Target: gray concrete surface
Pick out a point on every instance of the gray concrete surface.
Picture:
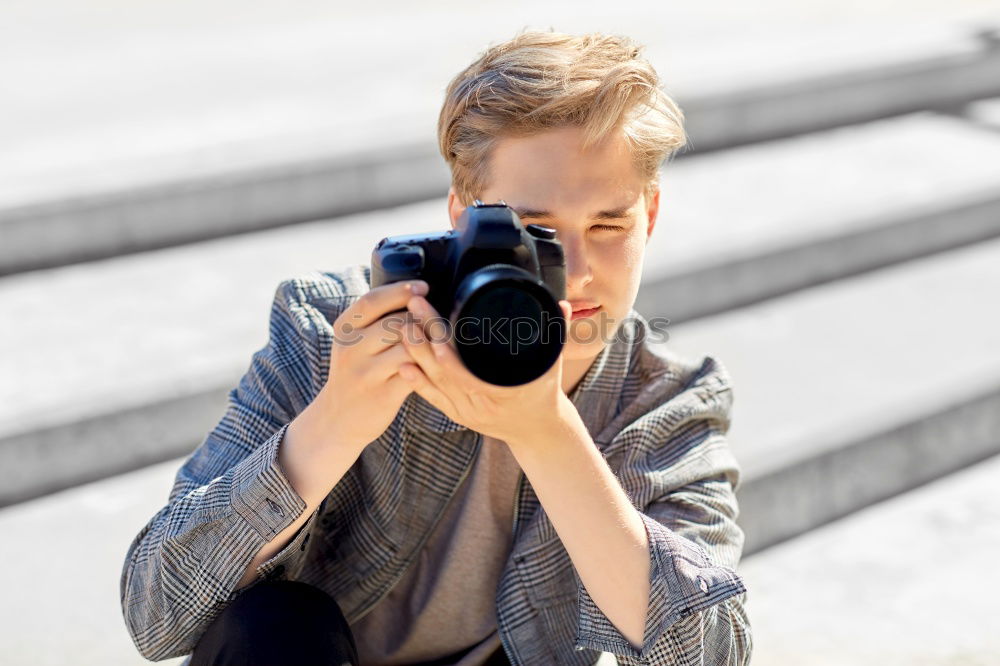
(756, 221)
(124, 362)
(852, 391)
(63, 556)
(986, 112)
(194, 120)
(911, 581)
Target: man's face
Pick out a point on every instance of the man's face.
(596, 203)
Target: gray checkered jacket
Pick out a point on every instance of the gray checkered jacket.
(659, 420)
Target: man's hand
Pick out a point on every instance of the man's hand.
(364, 390)
(504, 412)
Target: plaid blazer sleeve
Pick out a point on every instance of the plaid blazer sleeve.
(228, 499)
(678, 470)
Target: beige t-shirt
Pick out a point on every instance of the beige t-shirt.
(445, 603)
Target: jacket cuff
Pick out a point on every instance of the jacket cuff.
(261, 494)
(286, 564)
(682, 581)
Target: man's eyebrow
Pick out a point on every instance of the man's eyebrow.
(612, 214)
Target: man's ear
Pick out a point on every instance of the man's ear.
(652, 209)
(455, 207)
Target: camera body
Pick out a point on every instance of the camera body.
(488, 270)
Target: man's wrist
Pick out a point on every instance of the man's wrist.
(314, 454)
(553, 425)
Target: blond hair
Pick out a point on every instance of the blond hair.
(542, 80)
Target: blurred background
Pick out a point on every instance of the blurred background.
(832, 236)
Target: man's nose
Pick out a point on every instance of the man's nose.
(578, 271)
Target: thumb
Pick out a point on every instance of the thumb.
(567, 309)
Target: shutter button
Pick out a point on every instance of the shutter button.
(274, 507)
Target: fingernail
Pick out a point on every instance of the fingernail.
(438, 349)
(418, 288)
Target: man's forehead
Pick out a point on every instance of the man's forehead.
(540, 176)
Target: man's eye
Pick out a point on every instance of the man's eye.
(609, 227)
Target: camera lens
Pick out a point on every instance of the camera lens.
(508, 326)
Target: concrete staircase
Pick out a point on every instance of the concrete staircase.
(101, 188)
(838, 249)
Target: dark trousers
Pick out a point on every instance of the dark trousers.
(288, 623)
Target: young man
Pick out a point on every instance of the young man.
(375, 503)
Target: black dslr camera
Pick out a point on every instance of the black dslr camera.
(497, 282)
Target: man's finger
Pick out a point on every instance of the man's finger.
(389, 331)
(376, 303)
(387, 363)
(421, 351)
(435, 327)
(420, 384)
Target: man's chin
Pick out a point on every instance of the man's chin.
(588, 336)
(577, 351)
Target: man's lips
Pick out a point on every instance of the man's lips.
(584, 311)
(584, 305)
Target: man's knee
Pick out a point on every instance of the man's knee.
(285, 618)
(269, 604)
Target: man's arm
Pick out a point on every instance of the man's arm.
(596, 522)
(355, 405)
(659, 584)
(244, 502)
(230, 498)
(313, 466)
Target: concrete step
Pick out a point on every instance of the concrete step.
(63, 557)
(753, 222)
(121, 363)
(851, 392)
(140, 166)
(985, 112)
(908, 581)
